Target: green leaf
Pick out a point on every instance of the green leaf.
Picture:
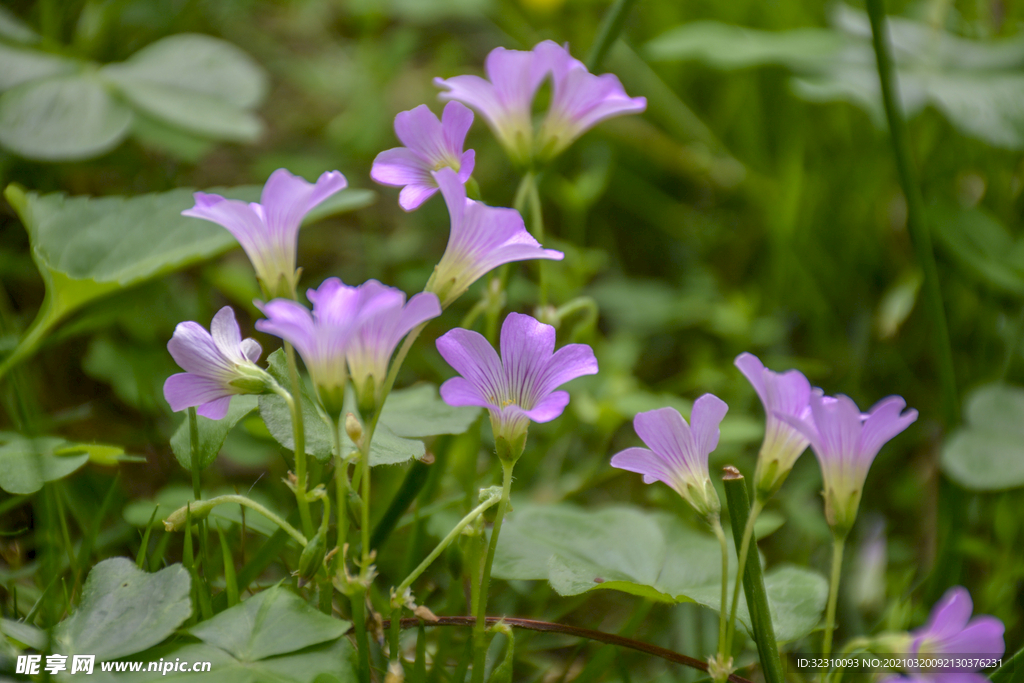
(981, 244)
(975, 84)
(198, 63)
(87, 247)
(212, 433)
(175, 496)
(196, 82)
(387, 447)
(27, 634)
(26, 464)
(418, 411)
(22, 65)
(332, 659)
(737, 47)
(655, 556)
(988, 453)
(273, 622)
(125, 610)
(62, 118)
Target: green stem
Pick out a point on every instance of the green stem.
(611, 27)
(299, 434)
(833, 597)
(193, 436)
(358, 599)
(491, 499)
(176, 520)
(480, 627)
(341, 488)
(919, 231)
(748, 535)
(753, 580)
(723, 642)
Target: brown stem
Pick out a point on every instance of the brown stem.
(551, 627)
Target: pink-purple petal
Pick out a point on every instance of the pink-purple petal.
(884, 422)
(473, 358)
(548, 408)
(216, 409)
(412, 196)
(251, 349)
(456, 120)
(420, 131)
(459, 391)
(187, 390)
(568, 363)
(982, 636)
(665, 432)
(194, 350)
(708, 412)
(643, 461)
(398, 167)
(225, 332)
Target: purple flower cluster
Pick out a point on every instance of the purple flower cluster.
(844, 440)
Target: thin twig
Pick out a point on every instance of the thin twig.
(590, 634)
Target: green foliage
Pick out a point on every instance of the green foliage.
(414, 412)
(27, 464)
(988, 453)
(57, 108)
(212, 433)
(654, 556)
(125, 610)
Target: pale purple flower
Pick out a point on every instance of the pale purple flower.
(429, 145)
(846, 442)
(519, 387)
(786, 393)
(951, 631)
(269, 231)
(324, 336)
(217, 365)
(579, 100)
(371, 347)
(482, 238)
(677, 452)
(505, 98)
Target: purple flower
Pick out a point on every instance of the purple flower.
(677, 453)
(218, 366)
(324, 336)
(504, 99)
(518, 388)
(482, 238)
(846, 442)
(579, 100)
(786, 393)
(269, 231)
(371, 347)
(429, 145)
(951, 631)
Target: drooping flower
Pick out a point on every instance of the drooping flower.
(482, 238)
(324, 336)
(217, 366)
(371, 347)
(429, 145)
(786, 393)
(269, 231)
(677, 452)
(519, 387)
(504, 99)
(579, 100)
(846, 443)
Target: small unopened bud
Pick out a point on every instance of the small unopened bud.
(197, 510)
(354, 429)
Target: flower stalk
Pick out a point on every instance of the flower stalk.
(838, 542)
(299, 435)
(723, 641)
(753, 580)
(199, 510)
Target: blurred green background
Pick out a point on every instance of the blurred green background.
(754, 207)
